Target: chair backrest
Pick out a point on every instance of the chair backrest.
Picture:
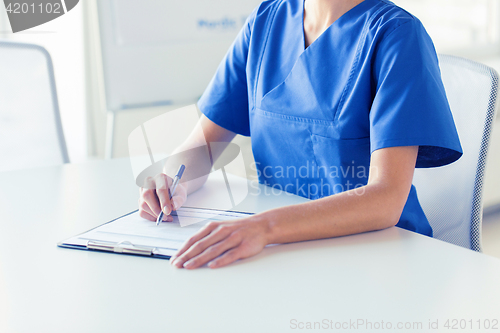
(30, 127)
(451, 196)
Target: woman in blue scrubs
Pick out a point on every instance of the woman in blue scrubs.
(347, 91)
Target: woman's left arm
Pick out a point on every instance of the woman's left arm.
(377, 205)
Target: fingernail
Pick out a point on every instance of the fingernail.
(165, 210)
(211, 264)
(188, 264)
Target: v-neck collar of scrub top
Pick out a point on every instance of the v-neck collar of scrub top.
(360, 7)
(281, 62)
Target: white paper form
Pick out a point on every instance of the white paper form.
(165, 238)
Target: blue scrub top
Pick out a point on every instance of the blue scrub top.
(315, 114)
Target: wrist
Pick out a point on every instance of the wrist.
(267, 225)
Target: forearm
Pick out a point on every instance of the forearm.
(196, 155)
(375, 206)
(372, 207)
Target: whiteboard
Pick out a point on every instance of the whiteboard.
(158, 52)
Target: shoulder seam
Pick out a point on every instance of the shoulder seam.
(390, 3)
(399, 25)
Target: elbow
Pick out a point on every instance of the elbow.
(393, 219)
(390, 207)
(389, 218)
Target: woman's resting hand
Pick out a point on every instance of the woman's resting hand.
(221, 243)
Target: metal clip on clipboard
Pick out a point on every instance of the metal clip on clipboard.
(139, 231)
(124, 247)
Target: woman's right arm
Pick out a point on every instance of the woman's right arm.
(154, 195)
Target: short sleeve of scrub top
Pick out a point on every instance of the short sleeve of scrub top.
(225, 99)
(408, 106)
(370, 81)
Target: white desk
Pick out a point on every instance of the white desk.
(390, 276)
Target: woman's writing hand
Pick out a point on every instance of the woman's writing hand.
(155, 197)
(221, 243)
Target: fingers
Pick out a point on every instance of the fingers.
(227, 258)
(206, 230)
(221, 243)
(204, 249)
(149, 196)
(144, 210)
(162, 183)
(156, 194)
(213, 252)
(146, 215)
(143, 206)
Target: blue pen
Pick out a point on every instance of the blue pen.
(177, 178)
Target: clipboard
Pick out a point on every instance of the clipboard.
(132, 235)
